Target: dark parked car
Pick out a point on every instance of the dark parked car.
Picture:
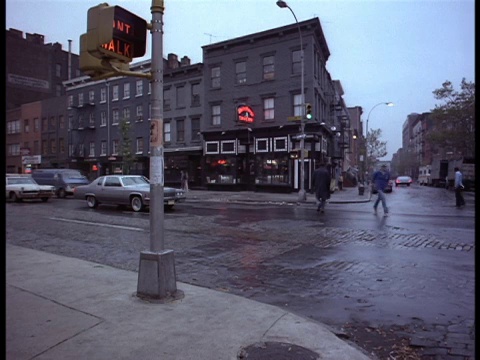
(403, 180)
(129, 190)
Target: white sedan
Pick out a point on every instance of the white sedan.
(19, 188)
(129, 190)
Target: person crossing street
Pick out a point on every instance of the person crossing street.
(380, 181)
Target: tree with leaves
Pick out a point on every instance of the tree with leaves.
(128, 157)
(375, 147)
(454, 120)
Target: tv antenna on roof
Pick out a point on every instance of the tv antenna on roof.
(211, 35)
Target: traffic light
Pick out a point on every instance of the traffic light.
(308, 111)
(115, 33)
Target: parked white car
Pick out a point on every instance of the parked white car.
(19, 188)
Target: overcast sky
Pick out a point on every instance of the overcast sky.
(381, 51)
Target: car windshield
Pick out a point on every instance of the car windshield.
(134, 180)
(21, 181)
(73, 175)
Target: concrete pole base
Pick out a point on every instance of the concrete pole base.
(157, 277)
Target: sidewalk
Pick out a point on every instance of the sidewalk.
(346, 196)
(64, 308)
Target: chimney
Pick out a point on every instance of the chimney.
(69, 75)
(185, 61)
(172, 61)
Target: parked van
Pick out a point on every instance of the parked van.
(64, 180)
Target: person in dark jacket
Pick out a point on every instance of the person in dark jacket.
(321, 184)
(380, 181)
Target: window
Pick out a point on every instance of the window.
(115, 116)
(228, 147)
(53, 123)
(103, 148)
(80, 121)
(167, 132)
(269, 109)
(215, 77)
(272, 170)
(126, 114)
(36, 147)
(139, 88)
(195, 94)
(211, 147)
(180, 96)
(44, 125)
(44, 147)
(70, 101)
(167, 102)
(113, 182)
(61, 122)
(91, 152)
(280, 144)
(70, 122)
(126, 90)
(103, 95)
(13, 127)
(13, 149)
(58, 70)
(268, 68)
(103, 118)
(297, 105)
(61, 145)
(180, 130)
(26, 126)
(261, 145)
(139, 145)
(36, 125)
(81, 150)
(91, 97)
(115, 93)
(216, 118)
(115, 147)
(53, 146)
(80, 99)
(241, 72)
(139, 112)
(91, 120)
(58, 90)
(195, 129)
(296, 62)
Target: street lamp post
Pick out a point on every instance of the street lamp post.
(366, 131)
(302, 196)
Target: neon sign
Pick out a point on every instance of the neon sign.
(245, 114)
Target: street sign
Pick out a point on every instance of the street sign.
(294, 118)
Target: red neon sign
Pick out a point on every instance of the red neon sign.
(245, 114)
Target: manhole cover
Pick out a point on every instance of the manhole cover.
(276, 351)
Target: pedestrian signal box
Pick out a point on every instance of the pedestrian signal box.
(115, 33)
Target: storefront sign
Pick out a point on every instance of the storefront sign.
(245, 114)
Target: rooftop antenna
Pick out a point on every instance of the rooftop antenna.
(211, 35)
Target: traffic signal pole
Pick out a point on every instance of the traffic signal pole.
(156, 275)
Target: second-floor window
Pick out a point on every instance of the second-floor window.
(26, 126)
(91, 97)
(297, 105)
(103, 118)
(139, 145)
(103, 95)
(180, 130)
(126, 114)
(216, 115)
(269, 109)
(80, 99)
(167, 132)
(91, 152)
(115, 116)
(115, 147)
(36, 125)
(139, 112)
(195, 94)
(180, 96)
(195, 129)
(103, 148)
(91, 120)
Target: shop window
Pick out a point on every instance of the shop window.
(229, 147)
(261, 145)
(280, 144)
(272, 170)
(211, 147)
(221, 170)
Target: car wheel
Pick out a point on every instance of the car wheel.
(44, 199)
(61, 193)
(136, 203)
(14, 197)
(92, 202)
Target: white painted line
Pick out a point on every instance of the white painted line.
(95, 223)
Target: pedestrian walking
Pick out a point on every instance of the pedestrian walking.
(458, 185)
(184, 180)
(380, 181)
(321, 184)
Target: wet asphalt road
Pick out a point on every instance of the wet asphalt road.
(405, 280)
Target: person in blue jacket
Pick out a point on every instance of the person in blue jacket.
(380, 181)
